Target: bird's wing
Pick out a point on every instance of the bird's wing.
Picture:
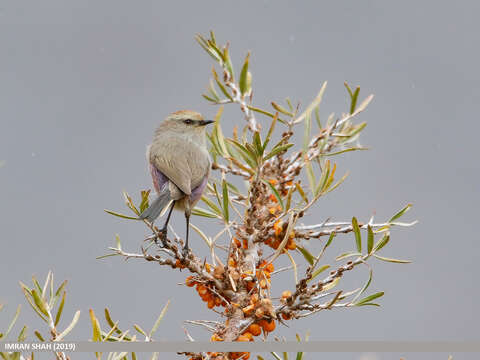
(180, 162)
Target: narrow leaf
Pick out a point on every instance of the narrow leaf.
(159, 319)
(120, 215)
(369, 239)
(71, 326)
(369, 298)
(358, 236)
(400, 213)
(243, 76)
(398, 261)
(60, 309)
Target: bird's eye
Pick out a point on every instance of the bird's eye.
(188, 121)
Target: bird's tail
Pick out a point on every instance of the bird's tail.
(156, 207)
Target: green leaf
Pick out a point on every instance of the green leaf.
(14, 320)
(60, 308)
(208, 98)
(281, 109)
(228, 62)
(247, 156)
(321, 186)
(347, 255)
(369, 298)
(120, 215)
(382, 242)
(358, 236)
(72, 324)
(275, 193)
(198, 211)
(39, 302)
(306, 254)
(22, 335)
(306, 132)
(39, 336)
(96, 331)
(203, 43)
(270, 131)
(313, 104)
(319, 271)
(139, 329)
(218, 134)
(243, 76)
(266, 113)
(278, 149)
(159, 319)
(276, 356)
(37, 285)
(144, 203)
(301, 192)
(220, 85)
(369, 239)
(365, 287)
(110, 322)
(226, 201)
(330, 239)
(212, 205)
(257, 142)
(344, 151)
(398, 261)
(28, 295)
(400, 213)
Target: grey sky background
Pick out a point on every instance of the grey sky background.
(83, 84)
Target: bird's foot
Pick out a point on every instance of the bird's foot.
(162, 237)
(185, 252)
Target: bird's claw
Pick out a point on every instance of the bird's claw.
(185, 252)
(162, 237)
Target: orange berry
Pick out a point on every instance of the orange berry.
(189, 281)
(269, 325)
(211, 303)
(248, 335)
(254, 329)
(278, 227)
(202, 289)
(243, 338)
(218, 301)
(270, 267)
(237, 242)
(245, 243)
(273, 198)
(286, 294)
(248, 309)
(291, 245)
(286, 316)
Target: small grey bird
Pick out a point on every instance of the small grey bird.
(179, 164)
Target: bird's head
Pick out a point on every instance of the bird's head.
(186, 121)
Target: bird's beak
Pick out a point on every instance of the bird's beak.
(205, 122)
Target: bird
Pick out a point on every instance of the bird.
(180, 165)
